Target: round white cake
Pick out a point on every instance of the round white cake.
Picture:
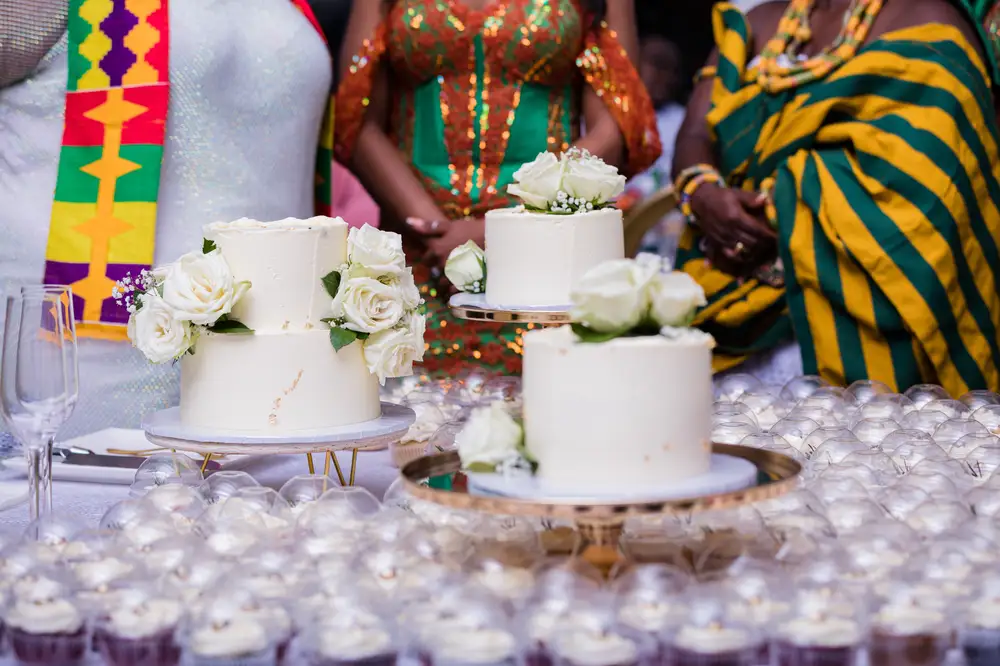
(534, 259)
(631, 413)
(286, 376)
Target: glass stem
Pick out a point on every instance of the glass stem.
(40, 480)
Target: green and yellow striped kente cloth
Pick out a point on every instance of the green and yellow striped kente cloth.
(887, 204)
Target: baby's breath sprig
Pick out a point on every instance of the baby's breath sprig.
(128, 291)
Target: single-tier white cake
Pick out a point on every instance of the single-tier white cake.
(534, 259)
(286, 376)
(633, 412)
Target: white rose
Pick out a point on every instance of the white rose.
(408, 290)
(613, 297)
(466, 268)
(378, 252)
(490, 437)
(675, 297)
(201, 288)
(367, 305)
(591, 179)
(156, 331)
(538, 183)
(391, 353)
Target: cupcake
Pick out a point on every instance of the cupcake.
(818, 640)
(353, 646)
(140, 631)
(95, 579)
(714, 644)
(462, 645)
(905, 634)
(584, 645)
(44, 626)
(236, 641)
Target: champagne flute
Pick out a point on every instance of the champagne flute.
(39, 381)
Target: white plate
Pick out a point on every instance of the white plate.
(164, 428)
(728, 474)
(478, 301)
(98, 442)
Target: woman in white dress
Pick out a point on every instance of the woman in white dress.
(244, 97)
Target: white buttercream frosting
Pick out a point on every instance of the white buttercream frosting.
(909, 620)
(149, 618)
(96, 574)
(245, 224)
(687, 336)
(236, 637)
(429, 421)
(713, 639)
(51, 616)
(985, 613)
(586, 648)
(648, 616)
(507, 582)
(354, 643)
(475, 646)
(822, 631)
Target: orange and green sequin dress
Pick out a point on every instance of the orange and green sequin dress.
(475, 94)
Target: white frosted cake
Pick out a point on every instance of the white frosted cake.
(535, 252)
(620, 401)
(281, 326)
(535, 258)
(633, 411)
(286, 376)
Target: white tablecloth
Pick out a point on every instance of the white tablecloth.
(87, 502)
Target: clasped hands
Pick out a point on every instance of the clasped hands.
(440, 237)
(737, 237)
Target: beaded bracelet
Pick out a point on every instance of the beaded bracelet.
(689, 186)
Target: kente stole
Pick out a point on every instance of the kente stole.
(103, 223)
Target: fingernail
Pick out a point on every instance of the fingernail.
(413, 221)
(762, 197)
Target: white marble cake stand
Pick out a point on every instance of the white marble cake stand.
(475, 308)
(164, 429)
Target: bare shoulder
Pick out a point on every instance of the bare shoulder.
(912, 13)
(764, 19)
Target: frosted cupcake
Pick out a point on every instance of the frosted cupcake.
(907, 634)
(710, 636)
(345, 634)
(818, 640)
(44, 626)
(96, 580)
(236, 641)
(589, 645)
(470, 645)
(140, 630)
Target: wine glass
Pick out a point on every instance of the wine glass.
(39, 381)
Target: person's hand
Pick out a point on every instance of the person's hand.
(453, 234)
(737, 236)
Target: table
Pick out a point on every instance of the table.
(87, 502)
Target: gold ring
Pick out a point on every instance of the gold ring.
(739, 248)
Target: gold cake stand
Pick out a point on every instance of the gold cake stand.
(438, 479)
(464, 306)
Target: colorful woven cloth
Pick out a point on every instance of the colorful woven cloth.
(887, 206)
(103, 223)
(475, 94)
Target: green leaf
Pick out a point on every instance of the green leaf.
(328, 320)
(207, 246)
(361, 336)
(341, 337)
(228, 326)
(480, 468)
(589, 335)
(331, 282)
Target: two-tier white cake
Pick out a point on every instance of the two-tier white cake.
(280, 327)
(285, 376)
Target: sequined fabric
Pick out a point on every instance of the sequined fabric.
(233, 149)
(28, 30)
(475, 94)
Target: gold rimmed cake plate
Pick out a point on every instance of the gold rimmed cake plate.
(474, 307)
(439, 479)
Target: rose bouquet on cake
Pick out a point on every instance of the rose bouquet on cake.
(570, 183)
(616, 299)
(170, 306)
(376, 302)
